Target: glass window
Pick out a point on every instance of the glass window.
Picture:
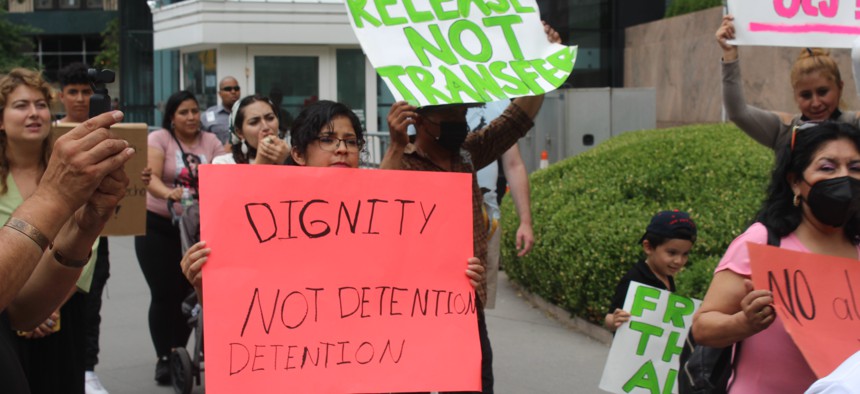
(384, 101)
(70, 4)
(95, 4)
(199, 77)
(43, 4)
(350, 81)
(291, 82)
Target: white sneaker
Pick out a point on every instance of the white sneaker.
(92, 384)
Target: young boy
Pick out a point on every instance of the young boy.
(667, 243)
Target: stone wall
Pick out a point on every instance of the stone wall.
(681, 59)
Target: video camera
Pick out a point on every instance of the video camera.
(100, 100)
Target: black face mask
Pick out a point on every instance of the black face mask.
(834, 201)
(452, 136)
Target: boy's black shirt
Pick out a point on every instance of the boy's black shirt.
(638, 273)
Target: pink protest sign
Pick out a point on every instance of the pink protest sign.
(796, 23)
(817, 300)
(337, 280)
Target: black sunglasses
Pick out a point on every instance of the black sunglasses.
(230, 88)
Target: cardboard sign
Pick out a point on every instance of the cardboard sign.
(443, 52)
(337, 280)
(130, 215)
(646, 350)
(796, 23)
(817, 300)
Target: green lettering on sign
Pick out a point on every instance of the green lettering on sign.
(677, 308)
(393, 74)
(421, 46)
(356, 8)
(456, 86)
(563, 59)
(516, 87)
(465, 8)
(455, 36)
(647, 332)
(547, 74)
(640, 303)
(644, 378)
(505, 22)
(387, 19)
(424, 80)
(441, 13)
(414, 15)
(500, 6)
(671, 381)
(523, 70)
(674, 346)
(520, 9)
(483, 82)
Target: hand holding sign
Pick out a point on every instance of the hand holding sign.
(757, 309)
(725, 33)
(460, 52)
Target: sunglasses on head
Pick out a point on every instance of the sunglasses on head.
(230, 88)
(800, 127)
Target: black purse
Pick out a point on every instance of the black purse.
(706, 370)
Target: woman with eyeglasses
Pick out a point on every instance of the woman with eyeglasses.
(324, 134)
(813, 206)
(815, 80)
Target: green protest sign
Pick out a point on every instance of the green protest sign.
(459, 51)
(645, 352)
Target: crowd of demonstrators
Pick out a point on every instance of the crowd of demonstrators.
(815, 80)
(514, 171)
(216, 118)
(175, 151)
(667, 242)
(806, 207)
(254, 126)
(57, 200)
(75, 93)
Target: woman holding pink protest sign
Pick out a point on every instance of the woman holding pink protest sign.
(815, 80)
(324, 134)
(813, 206)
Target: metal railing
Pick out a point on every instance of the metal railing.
(374, 148)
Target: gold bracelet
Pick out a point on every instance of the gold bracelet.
(71, 263)
(30, 231)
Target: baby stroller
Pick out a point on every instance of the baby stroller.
(186, 369)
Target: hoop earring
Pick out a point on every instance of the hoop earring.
(796, 200)
(244, 148)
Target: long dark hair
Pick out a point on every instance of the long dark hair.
(172, 105)
(778, 211)
(236, 149)
(310, 121)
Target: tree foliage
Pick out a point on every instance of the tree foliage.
(15, 44)
(109, 56)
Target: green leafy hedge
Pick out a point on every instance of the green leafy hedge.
(590, 211)
(681, 7)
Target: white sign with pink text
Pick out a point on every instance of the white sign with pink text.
(796, 23)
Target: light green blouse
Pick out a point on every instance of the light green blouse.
(12, 199)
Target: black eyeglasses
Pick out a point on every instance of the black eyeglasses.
(230, 88)
(330, 144)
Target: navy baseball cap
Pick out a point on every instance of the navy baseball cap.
(672, 224)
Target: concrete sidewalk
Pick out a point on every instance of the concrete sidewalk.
(533, 353)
